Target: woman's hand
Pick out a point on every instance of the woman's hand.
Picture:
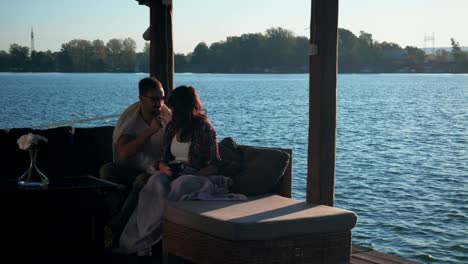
(164, 168)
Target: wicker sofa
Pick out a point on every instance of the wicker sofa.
(269, 227)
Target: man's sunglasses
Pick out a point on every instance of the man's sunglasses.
(155, 98)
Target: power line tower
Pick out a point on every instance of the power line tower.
(32, 39)
(429, 39)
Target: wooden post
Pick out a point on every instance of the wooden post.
(322, 102)
(161, 44)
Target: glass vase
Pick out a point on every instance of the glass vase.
(33, 177)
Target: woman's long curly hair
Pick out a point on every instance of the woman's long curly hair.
(187, 110)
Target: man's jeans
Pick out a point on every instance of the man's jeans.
(122, 203)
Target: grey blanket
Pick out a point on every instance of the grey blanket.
(143, 229)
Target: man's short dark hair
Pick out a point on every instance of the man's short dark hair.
(147, 84)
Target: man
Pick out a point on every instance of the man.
(137, 146)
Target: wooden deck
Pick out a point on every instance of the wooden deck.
(363, 255)
(360, 255)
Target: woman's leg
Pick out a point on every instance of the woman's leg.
(186, 186)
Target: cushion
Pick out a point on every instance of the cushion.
(262, 168)
(260, 217)
(14, 160)
(92, 148)
(231, 157)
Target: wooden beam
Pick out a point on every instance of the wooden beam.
(161, 44)
(322, 102)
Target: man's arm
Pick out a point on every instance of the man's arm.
(128, 146)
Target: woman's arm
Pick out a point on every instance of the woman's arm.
(211, 148)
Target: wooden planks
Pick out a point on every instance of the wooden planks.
(363, 255)
(360, 255)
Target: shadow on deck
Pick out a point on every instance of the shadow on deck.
(360, 255)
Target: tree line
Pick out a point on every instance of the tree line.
(78, 55)
(277, 50)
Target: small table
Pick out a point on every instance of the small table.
(67, 218)
(85, 182)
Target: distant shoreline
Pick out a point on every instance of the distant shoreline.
(363, 73)
(276, 51)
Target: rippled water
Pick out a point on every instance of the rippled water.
(402, 162)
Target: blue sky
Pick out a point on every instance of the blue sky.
(55, 22)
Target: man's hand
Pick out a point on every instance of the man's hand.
(156, 123)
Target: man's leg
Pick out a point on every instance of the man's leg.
(121, 218)
(121, 175)
(143, 229)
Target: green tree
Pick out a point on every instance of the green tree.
(19, 56)
(128, 56)
(98, 59)
(143, 58)
(443, 61)
(233, 54)
(42, 61)
(388, 57)
(180, 62)
(455, 46)
(251, 55)
(459, 57)
(200, 55)
(415, 58)
(79, 53)
(275, 50)
(217, 56)
(347, 51)
(279, 46)
(114, 52)
(300, 58)
(4, 60)
(365, 52)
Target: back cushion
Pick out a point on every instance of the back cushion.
(262, 168)
(231, 157)
(92, 147)
(14, 160)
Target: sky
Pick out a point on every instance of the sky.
(405, 22)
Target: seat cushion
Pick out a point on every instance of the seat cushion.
(258, 218)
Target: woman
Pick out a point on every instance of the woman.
(189, 139)
(188, 170)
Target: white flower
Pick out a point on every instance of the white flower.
(25, 141)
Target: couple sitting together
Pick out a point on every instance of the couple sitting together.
(161, 153)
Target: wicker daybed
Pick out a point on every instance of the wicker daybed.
(267, 228)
